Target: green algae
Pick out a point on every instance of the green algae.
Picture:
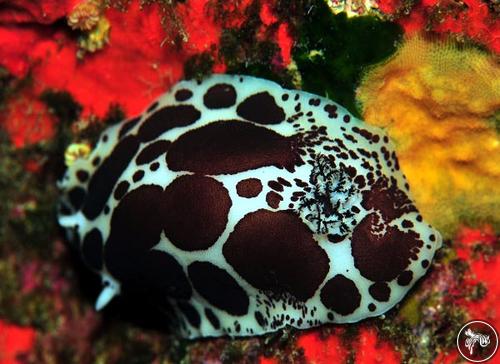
(333, 51)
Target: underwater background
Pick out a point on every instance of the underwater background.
(427, 71)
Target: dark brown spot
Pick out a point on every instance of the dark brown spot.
(121, 190)
(231, 146)
(196, 210)
(273, 199)
(389, 200)
(341, 295)
(220, 96)
(138, 175)
(190, 312)
(405, 278)
(152, 107)
(261, 108)
(76, 197)
(250, 187)
(407, 224)
(275, 186)
(260, 319)
(331, 110)
(152, 151)
(212, 318)
(167, 118)
(284, 182)
(183, 95)
(154, 166)
(82, 175)
(335, 238)
(276, 252)
(127, 126)
(379, 255)
(425, 263)
(92, 249)
(105, 177)
(133, 227)
(159, 274)
(372, 307)
(380, 291)
(218, 288)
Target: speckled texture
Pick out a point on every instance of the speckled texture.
(245, 207)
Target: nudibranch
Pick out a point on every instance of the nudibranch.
(244, 207)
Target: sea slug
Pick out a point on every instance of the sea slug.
(242, 207)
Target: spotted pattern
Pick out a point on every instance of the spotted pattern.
(220, 96)
(250, 187)
(261, 238)
(218, 288)
(341, 295)
(230, 147)
(195, 211)
(240, 208)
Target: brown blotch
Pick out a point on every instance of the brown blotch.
(335, 238)
(284, 250)
(103, 181)
(133, 227)
(275, 186)
(127, 126)
(82, 175)
(261, 108)
(196, 211)
(407, 224)
(190, 312)
(231, 146)
(167, 118)
(138, 175)
(284, 182)
(220, 96)
(382, 256)
(389, 200)
(380, 291)
(405, 278)
(212, 318)
(250, 187)
(152, 107)
(152, 151)
(341, 295)
(160, 275)
(121, 189)
(218, 288)
(273, 199)
(183, 95)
